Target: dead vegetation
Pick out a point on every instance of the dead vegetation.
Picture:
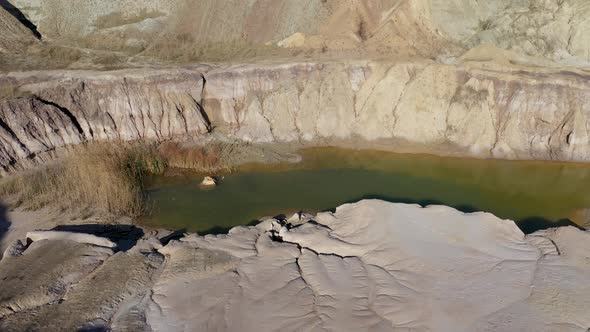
(104, 177)
(183, 48)
(117, 19)
(42, 56)
(203, 158)
(9, 91)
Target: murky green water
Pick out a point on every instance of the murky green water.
(532, 193)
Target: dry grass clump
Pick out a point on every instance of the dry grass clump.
(116, 19)
(105, 177)
(202, 158)
(42, 56)
(9, 91)
(101, 177)
(184, 48)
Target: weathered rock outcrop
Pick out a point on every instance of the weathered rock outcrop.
(44, 272)
(78, 107)
(510, 114)
(371, 265)
(67, 283)
(466, 109)
(556, 30)
(434, 97)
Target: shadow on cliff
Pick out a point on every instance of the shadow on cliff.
(4, 222)
(527, 225)
(16, 13)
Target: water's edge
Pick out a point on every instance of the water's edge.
(536, 195)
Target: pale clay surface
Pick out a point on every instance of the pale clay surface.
(371, 265)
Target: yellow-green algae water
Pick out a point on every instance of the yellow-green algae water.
(535, 194)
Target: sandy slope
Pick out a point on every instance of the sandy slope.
(183, 31)
(14, 37)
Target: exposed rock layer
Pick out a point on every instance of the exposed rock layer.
(68, 109)
(369, 266)
(434, 97)
(510, 114)
(466, 109)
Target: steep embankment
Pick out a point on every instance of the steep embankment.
(431, 90)
(14, 36)
(473, 111)
(464, 109)
(71, 108)
(372, 265)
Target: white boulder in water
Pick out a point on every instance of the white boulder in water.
(208, 181)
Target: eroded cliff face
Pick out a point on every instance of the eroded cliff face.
(439, 90)
(485, 113)
(62, 110)
(463, 109)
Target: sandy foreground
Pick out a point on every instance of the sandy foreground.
(369, 266)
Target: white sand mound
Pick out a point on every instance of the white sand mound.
(370, 266)
(76, 237)
(377, 266)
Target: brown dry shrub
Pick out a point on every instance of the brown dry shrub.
(117, 19)
(62, 54)
(202, 158)
(184, 48)
(9, 92)
(105, 177)
(102, 177)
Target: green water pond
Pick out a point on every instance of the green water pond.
(534, 194)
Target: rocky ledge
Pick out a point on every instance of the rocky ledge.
(372, 265)
(465, 109)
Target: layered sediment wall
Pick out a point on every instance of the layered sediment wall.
(476, 112)
(71, 108)
(461, 109)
